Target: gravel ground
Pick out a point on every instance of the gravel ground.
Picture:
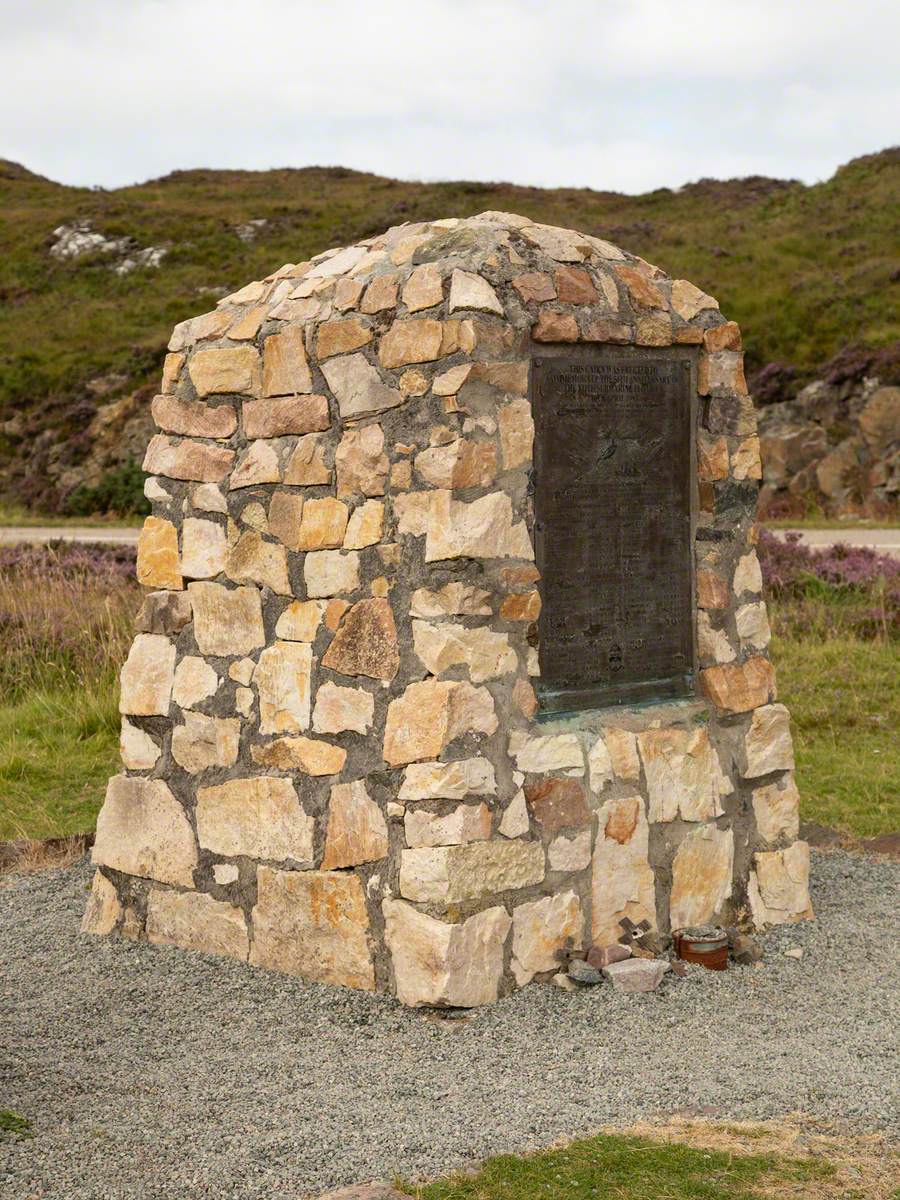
(150, 1072)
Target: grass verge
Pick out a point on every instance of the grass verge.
(12, 1122)
(686, 1161)
(845, 704)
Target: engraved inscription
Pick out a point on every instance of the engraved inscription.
(613, 528)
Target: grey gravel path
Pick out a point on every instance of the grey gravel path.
(158, 1073)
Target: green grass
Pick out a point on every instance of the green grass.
(629, 1168)
(57, 749)
(12, 1122)
(18, 516)
(844, 700)
(804, 270)
(827, 523)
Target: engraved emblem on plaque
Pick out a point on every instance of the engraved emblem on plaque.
(613, 487)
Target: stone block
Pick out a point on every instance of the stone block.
(193, 418)
(702, 872)
(778, 889)
(365, 525)
(258, 817)
(203, 548)
(541, 928)
(195, 681)
(260, 464)
(412, 341)
(300, 621)
(339, 337)
(361, 463)
(306, 465)
(285, 416)
(570, 853)
(436, 963)
(217, 372)
(464, 823)
(103, 908)
(203, 742)
(313, 924)
(431, 714)
(424, 288)
(623, 883)
(285, 367)
(636, 974)
(483, 529)
(776, 808)
(684, 777)
(227, 621)
(163, 612)
(740, 687)
(357, 386)
(195, 921)
(357, 830)
(196, 461)
(142, 830)
(449, 781)
(557, 804)
(552, 752)
(157, 554)
(331, 572)
(485, 653)
(307, 755)
(767, 744)
(138, 750)
(282, 678)
(147, 676)
(450, 874)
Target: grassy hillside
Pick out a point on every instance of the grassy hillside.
(805, 270)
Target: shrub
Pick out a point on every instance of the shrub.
(120, 491)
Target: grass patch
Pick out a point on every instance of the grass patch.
(12, 1122)
(845, 704)
(631, 1168)
(18, 516)
(58, 747)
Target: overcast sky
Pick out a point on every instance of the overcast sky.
(612, 94)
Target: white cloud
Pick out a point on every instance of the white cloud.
(624, 94)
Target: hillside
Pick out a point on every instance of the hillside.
(86, 314)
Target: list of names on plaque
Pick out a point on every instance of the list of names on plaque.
(613, 528)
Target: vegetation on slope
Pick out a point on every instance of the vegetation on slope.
(804, 270)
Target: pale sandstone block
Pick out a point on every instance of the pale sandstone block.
(357, 386)
(437, 963)
(142, 830)
(227, 621)
(570, 853)
(203, 742)
(361, 463)
(515, 821)
(777, 810)
(541, 928)
(752, 622)
(285, 416)
(778, 888)
(103, 908)
(313, 924)
(449, 382)
(740, 687)
(688, 301)
(282, 678)
(622, 878)
(172, 365)
(563, 245)
(600, 768)
(684, 777)
(702, 873)
(458, 464)
(248, 323)
(138, 750)
(464, 823)
(285, 367)
(147, 676)
(195, 681)
(187, 460)
(157, 554)
(713, 644)
(448, 781)
(241, 671)
(424, 288)
(745, 462)
(451, 600)
(258, 817)
(339, 337)
(552, 752)
(259, 464)
(451, 874)
(226, 874)
(306, 466)
(323, 524)
(254, 560)
(331, 572)
(357, 830)
(767, 744)
(486, 654)
(343, 709)
(365, 525)
(307, 755)
(195, 921)
(483, 529)
(748, 575)
(414, 341)
(470, 291)
(203, 548)
(215, 372)
(300, 621)
(516, 433)
(431, 714)
(193, 418)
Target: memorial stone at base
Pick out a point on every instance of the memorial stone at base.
(454, 654)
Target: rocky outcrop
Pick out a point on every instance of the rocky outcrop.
(835, 446)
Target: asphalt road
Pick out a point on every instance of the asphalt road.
(886, 541)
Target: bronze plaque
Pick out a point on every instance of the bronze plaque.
(613, 498)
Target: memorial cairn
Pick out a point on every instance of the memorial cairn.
(453, 662)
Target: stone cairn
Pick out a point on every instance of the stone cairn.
(332, 761)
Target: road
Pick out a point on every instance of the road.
(886, 541)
